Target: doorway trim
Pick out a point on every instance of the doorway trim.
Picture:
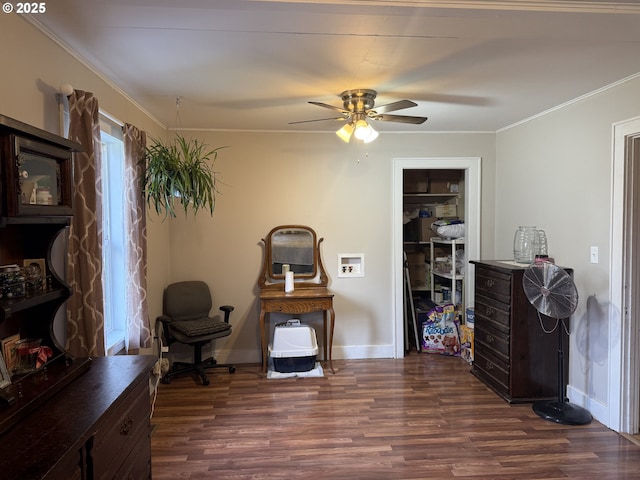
(624, 359)
(472, 208)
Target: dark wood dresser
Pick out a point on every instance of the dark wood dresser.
(97, 427)
(513, 354)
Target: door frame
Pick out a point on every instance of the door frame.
(472, 208)
(624, 358)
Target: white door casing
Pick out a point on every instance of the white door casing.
(472, 208)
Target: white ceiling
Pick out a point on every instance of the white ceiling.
(254, 64)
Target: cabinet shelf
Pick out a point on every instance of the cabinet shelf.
(426, 244)
(452, 279)
(8, 307)
(430, 195)
(428, 198)
(449, 276)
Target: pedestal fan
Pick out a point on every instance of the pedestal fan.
(552, 292)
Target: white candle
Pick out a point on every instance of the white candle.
(288, 282)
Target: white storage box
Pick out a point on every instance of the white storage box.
(295, 347)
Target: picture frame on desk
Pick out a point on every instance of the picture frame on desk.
(9, 352)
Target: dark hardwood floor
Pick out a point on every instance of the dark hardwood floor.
(424, 416)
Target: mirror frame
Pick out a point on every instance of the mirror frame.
(318, 278)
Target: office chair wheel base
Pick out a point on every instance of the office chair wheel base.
(166, 380)
(205, 381)
(232, 369)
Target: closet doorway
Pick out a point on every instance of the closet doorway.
(624, 313)
(471, 166)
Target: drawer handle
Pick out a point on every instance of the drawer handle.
(126, 426)
(489, 338)
(489, 312)
(490, 283)
(489, 365)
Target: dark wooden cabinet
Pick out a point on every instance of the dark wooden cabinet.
(36, 171)
(70, 418)
(513, 354)
(35, 210)
(98, 427)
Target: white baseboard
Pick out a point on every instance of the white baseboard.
(355, 352)
(598, 410)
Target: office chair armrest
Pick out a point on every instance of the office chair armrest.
(164, 320)
(227, 309)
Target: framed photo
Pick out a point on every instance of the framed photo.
(42, 266)
(9, 351)
(5, 379)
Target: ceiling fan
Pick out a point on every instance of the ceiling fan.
(358, 106)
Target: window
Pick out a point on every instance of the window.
(114, 258)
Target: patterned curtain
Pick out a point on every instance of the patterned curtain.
(85, 314)
(138, 329)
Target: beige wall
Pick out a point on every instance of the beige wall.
(555, 172)
(344, 193)
(30, 79)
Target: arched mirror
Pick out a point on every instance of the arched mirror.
(295, 248)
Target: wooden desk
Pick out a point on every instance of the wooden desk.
(301, 300)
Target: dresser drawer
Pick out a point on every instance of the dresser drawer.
(491, 369)
(493, 341)
(493, 312)
(297, 306)
(121, 431)
(493, 284)
(138, 465)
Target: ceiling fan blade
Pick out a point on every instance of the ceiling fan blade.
(332, 107)
(399, 118)
(340, 119)
(391, 107)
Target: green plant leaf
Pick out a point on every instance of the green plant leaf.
(180, 173)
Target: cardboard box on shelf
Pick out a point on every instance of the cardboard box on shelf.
(424, 228)
(418, 275)
(444, 211)
(415, 258)
(415, 181)
(444, 181)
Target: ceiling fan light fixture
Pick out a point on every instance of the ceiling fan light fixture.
(362, 130)
(345, 132)
(372, 135)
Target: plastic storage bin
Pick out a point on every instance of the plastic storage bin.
(295, 347)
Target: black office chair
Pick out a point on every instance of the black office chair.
(185, 319)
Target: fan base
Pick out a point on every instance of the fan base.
(562, 412)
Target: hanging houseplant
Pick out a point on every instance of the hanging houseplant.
(180, 174)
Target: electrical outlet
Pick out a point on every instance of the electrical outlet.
(594, 254)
